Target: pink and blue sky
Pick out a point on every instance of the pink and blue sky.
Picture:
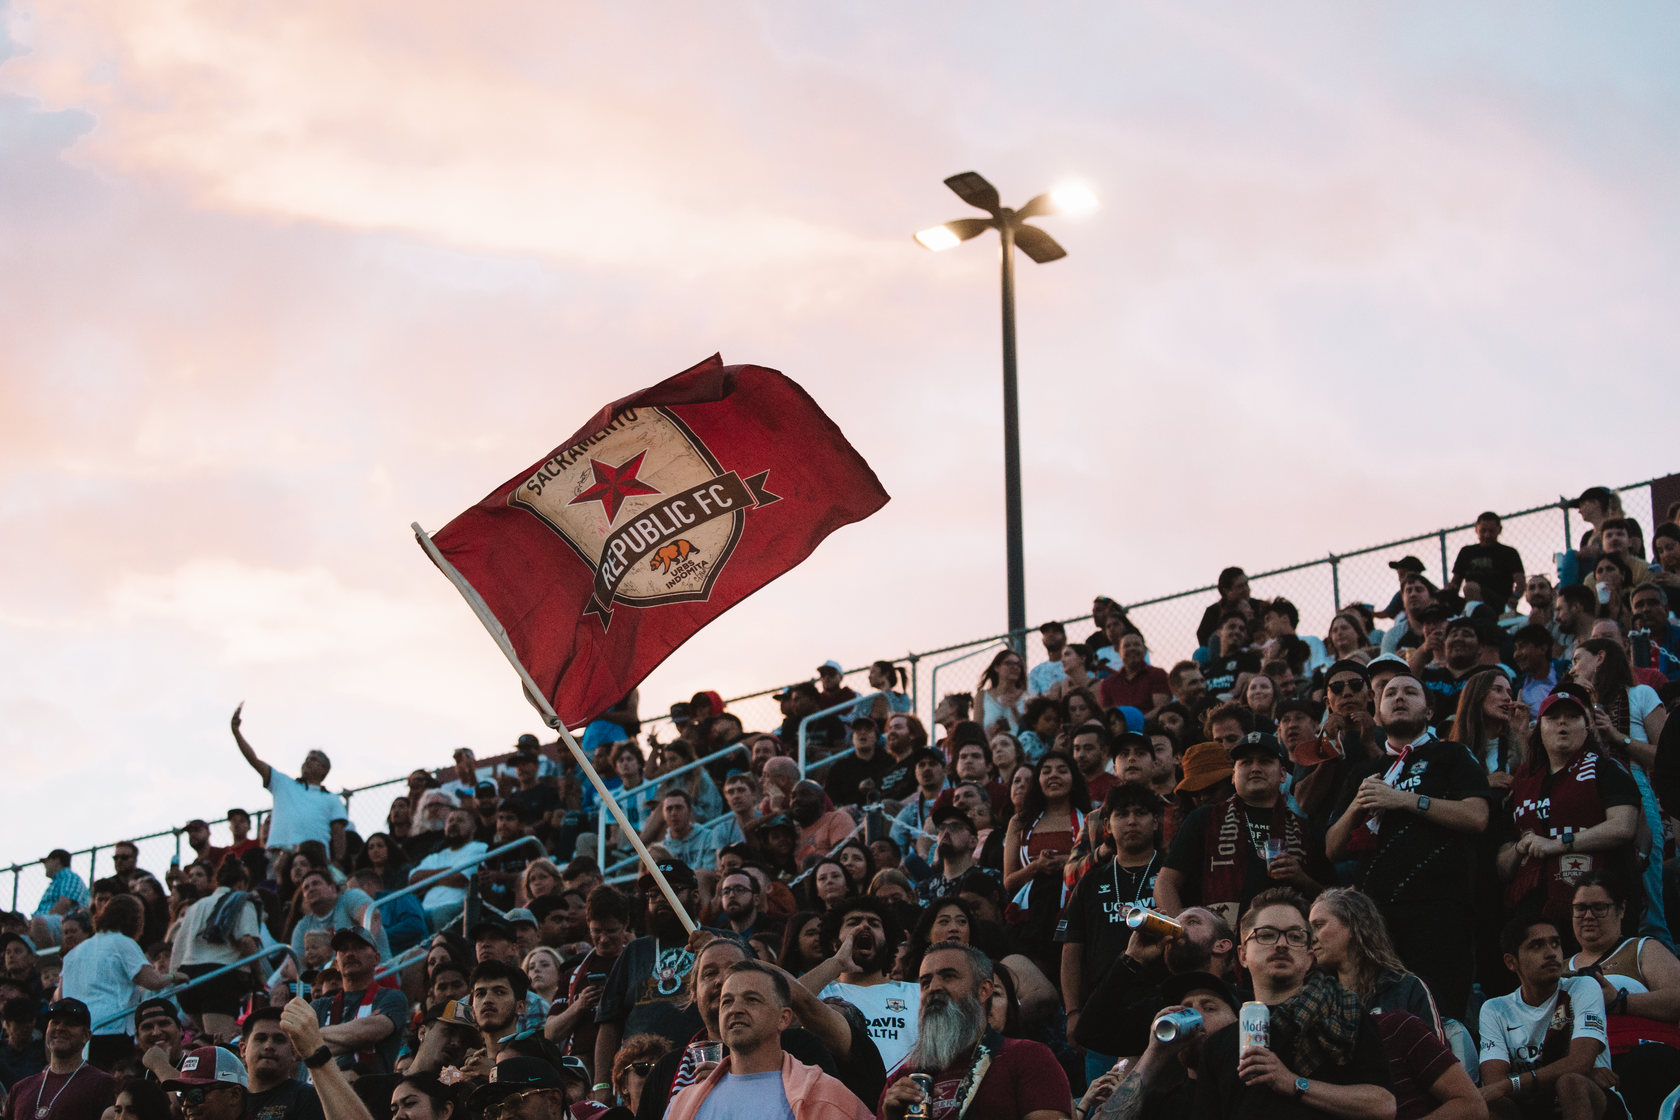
(278, 278)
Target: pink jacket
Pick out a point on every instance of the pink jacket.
(811, 1093)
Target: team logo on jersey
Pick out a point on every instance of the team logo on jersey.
(647, 505)
(896, 1005)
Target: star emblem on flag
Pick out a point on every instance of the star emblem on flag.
(614, 484)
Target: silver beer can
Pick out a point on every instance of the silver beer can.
(1254, 1026)
(1177, 1023)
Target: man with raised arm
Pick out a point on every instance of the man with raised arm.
(303, 809)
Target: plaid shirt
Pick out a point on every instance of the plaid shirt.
(66, 884)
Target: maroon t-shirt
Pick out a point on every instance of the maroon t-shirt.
(1024, 1077)
(1416, 1060)
(83, 1095)
(582, 1042)
(1139, 693)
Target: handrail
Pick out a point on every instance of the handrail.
(843, 705)
(403, 959)
(833, 758)
(168, 993)
(457, 869)
(657, 780)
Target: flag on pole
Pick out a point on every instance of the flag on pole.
(666, 509)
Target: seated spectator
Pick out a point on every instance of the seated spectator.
(1233, 595)
(1047, 672)
(1136, 683)
(444, 899)
(1092, 749)
(1257, 693)
(1324, 1051)
(820, 831)
(1154, 1086)
(974, 1069)
(1206, 781)
(385, 857)
(855, 779)
(1351, 943)
(326, 907)
(1543, 1043)
(827, 884)
(705, 802)
(1234, 658)
(21, 1053)
(1640, 981)
(65, 892)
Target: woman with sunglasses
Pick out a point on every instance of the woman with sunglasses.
(1640, 979)
(631, 1066)
(1002, 692)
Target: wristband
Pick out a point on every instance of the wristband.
(601, 1087)
(321, 1057)
(1516, 1084)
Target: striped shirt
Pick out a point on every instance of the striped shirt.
(1416, 1060)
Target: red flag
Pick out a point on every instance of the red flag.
(665, 510)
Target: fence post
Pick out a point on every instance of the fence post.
(1446, 576)
(1567, 536)
(16, 871)
(93, 866)
(915, 682)
(1335, 583)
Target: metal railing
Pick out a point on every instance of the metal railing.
(1366, 580)
(805, 723)
(650, 785)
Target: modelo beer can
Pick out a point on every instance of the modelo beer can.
(1154, 924)
(923, 1108)
(1176, 1024)
(1254, 1026)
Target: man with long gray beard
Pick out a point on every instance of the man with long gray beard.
(977, 1073)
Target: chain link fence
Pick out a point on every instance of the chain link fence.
(1318, 588)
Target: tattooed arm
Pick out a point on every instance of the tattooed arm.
(1118, 1094)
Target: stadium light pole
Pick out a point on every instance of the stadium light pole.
(1012, 227)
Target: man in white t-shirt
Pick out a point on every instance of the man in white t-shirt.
(863, 934)
(303, 809)
(1545, 1048)
(443, 901)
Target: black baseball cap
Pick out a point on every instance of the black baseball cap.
(486, 926)
(950, 813)
(484, 789)
(515, 1075)
(780, 820)
(1174, 989)
(152, 1008)
(1129, 739)
(676, 872)
(1305, 707)
(527, 741)
(1603, 495)
(864, 723)
(1434, 612)
(1259, 742)
(69, 1008)
(1407, 564)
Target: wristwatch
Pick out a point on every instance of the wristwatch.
(1423, 804)
(1301, 1084)
(321, 1057)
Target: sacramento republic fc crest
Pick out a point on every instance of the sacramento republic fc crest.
(647, 506)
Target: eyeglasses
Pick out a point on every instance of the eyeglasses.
(1596, 909)
(1296, 937)
(737, 890)
(640, 1069)
(1355, 685)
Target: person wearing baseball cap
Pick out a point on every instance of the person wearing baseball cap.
(69, 1088)
(856, 778)
(1574, 810)
(361, 1022)
(831, 690)
(1276, 846)
(1410, 817)
(212, 1084)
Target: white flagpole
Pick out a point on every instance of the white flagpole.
(536, 697)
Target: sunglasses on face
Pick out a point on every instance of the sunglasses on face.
(198, 1094)
(640, 1069)
(1356, 685)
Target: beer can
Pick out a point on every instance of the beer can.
(1254, 1026)
(1178, 1023)
(1153, 923)
(923, 1108)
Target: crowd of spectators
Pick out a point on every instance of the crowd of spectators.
(1432, 845)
